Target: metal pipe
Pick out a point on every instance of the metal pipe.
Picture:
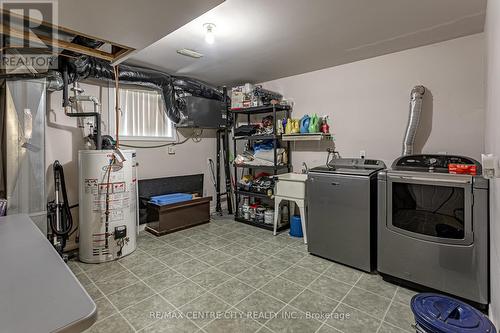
(97, 116)
(416, 97)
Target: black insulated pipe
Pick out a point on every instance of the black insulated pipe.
(65, 103)
(87, 67)
(97, 119)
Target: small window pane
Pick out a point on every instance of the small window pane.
(143, 115)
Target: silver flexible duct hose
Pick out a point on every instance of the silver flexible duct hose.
(416, 97)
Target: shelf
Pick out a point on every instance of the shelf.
(261, 225)
(261, 109)
(262, 167)
(306, 137)
(253, 194)
(258, 137)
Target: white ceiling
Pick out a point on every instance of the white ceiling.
(133, 23)
(260, 40)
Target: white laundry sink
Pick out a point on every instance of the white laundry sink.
(292, 185)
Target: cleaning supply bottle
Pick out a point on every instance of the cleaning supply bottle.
(324, 125)
(285, 214)
(296, 126)
(314, 124)
(279, 130)
(288, 127)
(304, 124)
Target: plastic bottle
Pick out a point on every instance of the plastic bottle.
(285, 215)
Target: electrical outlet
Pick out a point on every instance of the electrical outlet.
(171, 150)
(362, 154)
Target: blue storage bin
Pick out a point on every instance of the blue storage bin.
(436, 313)
(169, 199)
(296, 226)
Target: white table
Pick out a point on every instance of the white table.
(38, 292)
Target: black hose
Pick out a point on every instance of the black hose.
(66, 219)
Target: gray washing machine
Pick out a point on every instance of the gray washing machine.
(342, 211)
(433, 226)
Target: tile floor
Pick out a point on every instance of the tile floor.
(229, 277)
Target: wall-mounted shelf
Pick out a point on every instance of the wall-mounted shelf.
(307, 137)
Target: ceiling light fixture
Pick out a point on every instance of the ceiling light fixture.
(209, 29)
(190, 53)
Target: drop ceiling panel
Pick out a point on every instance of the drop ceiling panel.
(132, 23)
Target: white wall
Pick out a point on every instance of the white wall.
(368, 101)
(64, 139)
(492, 138)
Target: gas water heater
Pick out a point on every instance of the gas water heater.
(108, 204)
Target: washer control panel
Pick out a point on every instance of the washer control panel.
(432, 163)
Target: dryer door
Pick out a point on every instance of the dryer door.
(431, 208)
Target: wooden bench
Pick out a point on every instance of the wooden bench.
(166, 219)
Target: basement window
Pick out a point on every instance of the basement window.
(142, 116)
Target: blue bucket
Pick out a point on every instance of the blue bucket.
(296, 226)
(436, 313)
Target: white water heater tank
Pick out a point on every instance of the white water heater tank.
(108, 204)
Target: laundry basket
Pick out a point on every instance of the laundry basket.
(436, 313)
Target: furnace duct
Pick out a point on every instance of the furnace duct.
(416, 97)
(172, 88)
(86, 67)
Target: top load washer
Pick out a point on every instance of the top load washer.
(342, 211)
(433, 225)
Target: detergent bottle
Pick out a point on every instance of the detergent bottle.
(304, 124)
(324, 125)
(288, 127)
(314, 124)
(296, 126)
(279, 130)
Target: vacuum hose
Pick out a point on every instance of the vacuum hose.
(60, 218)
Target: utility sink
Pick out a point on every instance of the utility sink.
(298, 177)
(291, 185)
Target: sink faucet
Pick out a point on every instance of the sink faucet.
(305, 168)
